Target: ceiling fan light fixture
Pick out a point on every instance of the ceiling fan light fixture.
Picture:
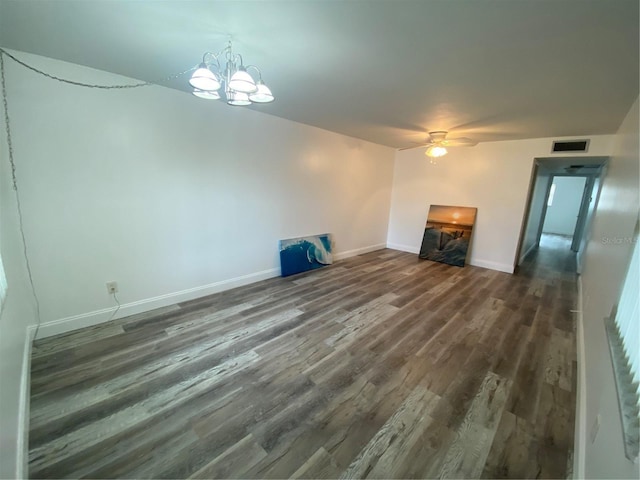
(435, 151)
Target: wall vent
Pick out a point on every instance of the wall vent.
(572, 146)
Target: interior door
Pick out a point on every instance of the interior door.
(582, 216)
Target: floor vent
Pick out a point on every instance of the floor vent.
(572, 146)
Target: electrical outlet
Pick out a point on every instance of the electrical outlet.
(112, 287)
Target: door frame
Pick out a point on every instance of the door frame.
(540, 163)
(585, 201)
(587, 196)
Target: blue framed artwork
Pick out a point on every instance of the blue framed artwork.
(305, 253)
(447, 234)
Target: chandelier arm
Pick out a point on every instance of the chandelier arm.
(237, 55)
(247, 67)
(225, 50)
(215, 62)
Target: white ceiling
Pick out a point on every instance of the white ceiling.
(385, 71)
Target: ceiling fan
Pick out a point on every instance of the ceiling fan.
(438, 142)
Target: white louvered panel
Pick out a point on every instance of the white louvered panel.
(628, 314)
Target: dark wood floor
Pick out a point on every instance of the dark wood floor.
(380, 366)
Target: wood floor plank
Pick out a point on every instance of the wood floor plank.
(380, 366)
(513, 452)
(468, 453)
(376, 459)
(558, 366)
(129, 388)
(233, 461)
(86, 435)
(142, 436)
(322, 427)
(319, 465)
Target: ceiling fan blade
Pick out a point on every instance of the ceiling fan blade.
(422, 145)
(459, 142)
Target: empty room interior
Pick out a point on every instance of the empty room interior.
(319, 239)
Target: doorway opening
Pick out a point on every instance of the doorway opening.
(563, 207)
(563, 194)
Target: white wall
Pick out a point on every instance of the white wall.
(562, 215)
(172, 196)
(586, 236)
(534, 217)
(169, 195)
(605, 262)
(16, 316)
(494, 177)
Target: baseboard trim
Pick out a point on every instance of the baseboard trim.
(525, 254)
(500, 267)
(95, 317)
(580, 442)
(579, 262)
(359, 251)
(22, 469)
(67, 324)
(403, 248)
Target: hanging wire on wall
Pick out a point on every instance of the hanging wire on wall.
(14, 177)
(91, 85)
(14, 180)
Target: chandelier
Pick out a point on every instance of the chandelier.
(240, 88)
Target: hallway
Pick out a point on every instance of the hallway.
(553, 255)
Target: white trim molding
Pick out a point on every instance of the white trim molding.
(580, 442)
(525, 254)
(501, 267)
(359, 251)
(403, 248)
(63, 325)
(22, 468)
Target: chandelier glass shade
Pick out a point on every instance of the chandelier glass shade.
(262, 94)
(205, 79)
(206, 94)
(240, 88)
(242, 82)
(239, 99)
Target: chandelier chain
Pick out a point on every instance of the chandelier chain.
(91, 85)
